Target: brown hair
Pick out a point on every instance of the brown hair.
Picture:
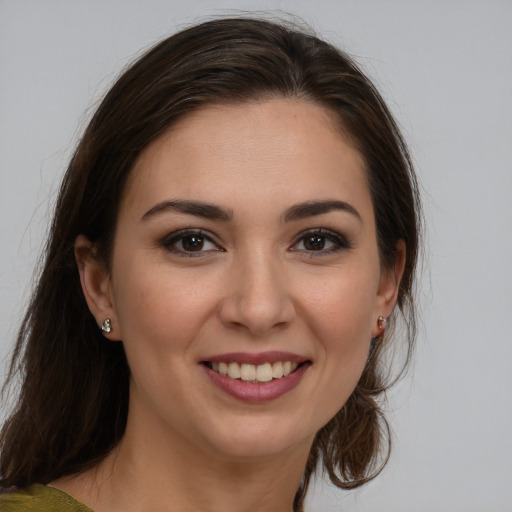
(73, 402)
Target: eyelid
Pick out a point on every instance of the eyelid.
(169, 240)
(341, 241)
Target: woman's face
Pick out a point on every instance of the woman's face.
(246, 245)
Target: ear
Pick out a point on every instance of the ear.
(389, 285)
(97, 286)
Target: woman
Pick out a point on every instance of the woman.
(231, 238)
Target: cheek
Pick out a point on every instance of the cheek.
(344, 331)
(160, 309)
(340, 317)
(161, 315)
(341, 305)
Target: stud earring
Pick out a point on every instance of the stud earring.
(381, 322)
(106, 326)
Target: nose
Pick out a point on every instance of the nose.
(258, 297)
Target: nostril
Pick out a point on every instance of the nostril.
(258, 304)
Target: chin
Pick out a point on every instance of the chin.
(253, 438)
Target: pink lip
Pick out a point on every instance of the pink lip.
(256, 358)
(257, 392)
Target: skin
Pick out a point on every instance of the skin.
(257, 283)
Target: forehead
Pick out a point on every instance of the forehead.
(273, 151)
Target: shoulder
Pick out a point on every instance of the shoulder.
(40, 498)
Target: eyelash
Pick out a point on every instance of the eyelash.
(170, 241)
(339, 242)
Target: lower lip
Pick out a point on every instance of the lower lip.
(256, 392)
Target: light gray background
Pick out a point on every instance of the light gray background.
(445, 68)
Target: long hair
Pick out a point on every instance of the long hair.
(73, 401)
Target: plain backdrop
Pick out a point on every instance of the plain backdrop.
(445, 68)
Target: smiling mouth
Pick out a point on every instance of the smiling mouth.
(265, 372)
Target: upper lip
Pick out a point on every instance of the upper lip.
(255, 358)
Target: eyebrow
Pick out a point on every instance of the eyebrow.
(312, 208)
(213, 212)
(197, 208)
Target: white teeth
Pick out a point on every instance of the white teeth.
(234, 370)
(223, 368)
(264, 372)
(248, 372)
(260, 373)
(277, 370)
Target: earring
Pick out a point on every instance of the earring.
(381, 322)
(106, 326)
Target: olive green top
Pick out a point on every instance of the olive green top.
(40, 498)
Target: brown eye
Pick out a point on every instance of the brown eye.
(314, 243)
(321, 241)
(192, 243)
